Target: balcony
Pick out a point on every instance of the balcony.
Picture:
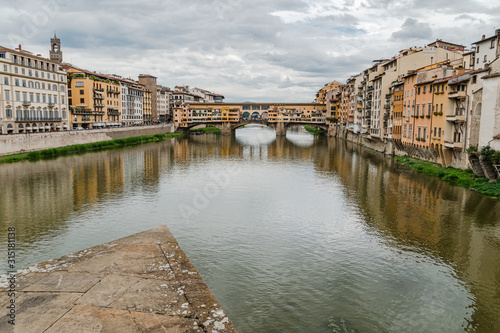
(51, 104)
(98, 97)
(26, 103)
(455, 118)
(454, 145)
(457, 94)
(113, 112)
(98, 90)
(35, 119)
(387, 105)
(99, 105)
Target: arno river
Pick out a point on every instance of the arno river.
(286, 232)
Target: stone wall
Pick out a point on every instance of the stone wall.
(444, 157)
(18, 143)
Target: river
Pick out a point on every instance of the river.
(287, 232)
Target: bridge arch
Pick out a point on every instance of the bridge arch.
(255, 116)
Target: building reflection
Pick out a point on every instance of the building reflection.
(426, 215)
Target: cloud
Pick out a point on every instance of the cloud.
(281, 50)
(412, 30)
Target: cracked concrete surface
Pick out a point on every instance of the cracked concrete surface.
(140, 283)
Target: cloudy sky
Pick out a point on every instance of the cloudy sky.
(255, 50)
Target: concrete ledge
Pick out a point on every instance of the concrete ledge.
(140, 283)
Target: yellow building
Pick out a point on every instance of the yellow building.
(185, 114)
(321, 95)
(94, 99)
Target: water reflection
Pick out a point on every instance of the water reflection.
(310, 226)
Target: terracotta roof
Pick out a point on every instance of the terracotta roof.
(491, 75)
(483, 40)
(26, 54)
(106, 76)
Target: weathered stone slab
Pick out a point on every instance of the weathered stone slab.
(64, 281)
(141, 283)
(108, 290)
(87, 319)
(37, 311)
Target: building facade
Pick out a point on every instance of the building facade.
(33, 93)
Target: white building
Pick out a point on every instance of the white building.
(163, 103)
(486, 50)
(489, 133)
(33, 93)
(132, 101)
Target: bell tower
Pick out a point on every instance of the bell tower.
(55, 49)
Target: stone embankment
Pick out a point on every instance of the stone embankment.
(19, 143)
(141, 283)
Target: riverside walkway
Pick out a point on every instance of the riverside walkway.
(140, 283)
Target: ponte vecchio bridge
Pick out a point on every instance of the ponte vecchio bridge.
(230, 116)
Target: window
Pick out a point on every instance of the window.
(32, 97)
(419, 132)
(435, 131)
(425, 133)
(5, 68)
(418, 108)
(43, 75)
(70, 101)
(404, 131)
(441, 108)
(439, 132)
(18, 96)
(44, 99)
(17, 82)
(423, 109)
(410, 128)
(82, 92)
(429, 109)
(38, 98)
(24, 83)
(78, 84)
(16, 70)
(8, 113)
(485, 57)
(418, 91)
(477, 49)
(43, 85)
(425, 88)
(82, 100)
(474, 79)
(6, 80)
(7, 96)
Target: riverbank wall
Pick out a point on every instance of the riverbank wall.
(445, 157)
(20, 143)
(140, 283)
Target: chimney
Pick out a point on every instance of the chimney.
(484, 36)
(497, 32)
(19, 47)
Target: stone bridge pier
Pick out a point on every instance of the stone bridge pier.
(226, 128)
(280, 128)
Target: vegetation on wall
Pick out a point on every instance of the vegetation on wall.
(78, 149)
(465, 178)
